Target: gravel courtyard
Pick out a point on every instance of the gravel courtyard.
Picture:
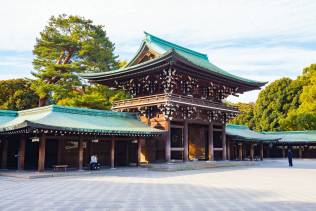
(270, 186)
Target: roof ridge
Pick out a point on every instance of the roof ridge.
(89, 111)
(35, 110)
(288, 132)
(76, 110)
(237, 126)
(149, 37)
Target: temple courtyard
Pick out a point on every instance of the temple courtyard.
(271, 185)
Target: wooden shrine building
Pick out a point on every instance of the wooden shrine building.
(180, 91)
(40, 138)
(176, 112)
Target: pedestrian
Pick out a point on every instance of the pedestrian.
(290, 157)
(93, 162)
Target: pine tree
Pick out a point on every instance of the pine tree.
(69, 45)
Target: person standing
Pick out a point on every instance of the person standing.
(290, 157)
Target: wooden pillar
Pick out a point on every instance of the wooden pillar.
(240, 151)
(186, 141)
(300, 152)
(140, 144)
(252, 151)
(41, 154)
(80, 154)
(168, 142)
(224, 152)
(283, 152)
(60, 151)
(21, 153)
(4, 159)
(261, 151)
(228, 150)
(210, 142)
(113, 153)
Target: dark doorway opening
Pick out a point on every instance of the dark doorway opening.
(13, 147)
(218, 155)
(31, 155)
(217, 139)
(125, 153)
(51, 153)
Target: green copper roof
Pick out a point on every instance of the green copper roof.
(288, 137)
(80, 120)
(6, 116)
(243, 133)
(163, 48)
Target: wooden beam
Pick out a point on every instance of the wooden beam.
(168, 142)
(113, 152)
(240, 151)
(140, 144)
(300, 152)
(228, 149)
(210, 142)
(261, 151)
(252, 151)
(21, 153)
(80, 153)
(41, 154)
(186, 141)
(4, 160)
(224, 152)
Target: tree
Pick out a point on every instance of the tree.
(246, 117)
(69, 45)
(274, 103)
(122, 63)
(304, 117)
(16, 94)
(94, 96)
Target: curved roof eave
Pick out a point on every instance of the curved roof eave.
(98, 76)
(92, 76)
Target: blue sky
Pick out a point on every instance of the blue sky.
(262, 40)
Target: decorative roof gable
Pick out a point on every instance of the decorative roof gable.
(155, 47)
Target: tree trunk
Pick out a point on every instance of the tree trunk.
(42, 102)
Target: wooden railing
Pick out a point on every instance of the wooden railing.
(164, 98)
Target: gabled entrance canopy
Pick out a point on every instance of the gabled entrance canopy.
(155, 52)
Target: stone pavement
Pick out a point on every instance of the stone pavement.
(270, 186)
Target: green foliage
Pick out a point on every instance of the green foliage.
(69, 45)
(17, 95)
(274, 102)
(246, 117)
(285, 104)
(122, 63)
(94, 96)
(304, 118)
